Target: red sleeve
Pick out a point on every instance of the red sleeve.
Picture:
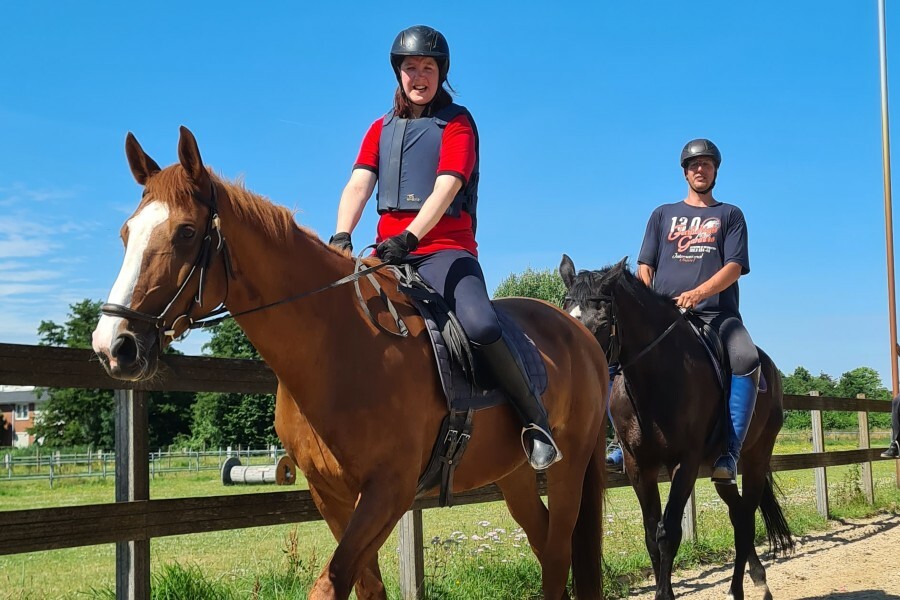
(368, 152)
(458, 149)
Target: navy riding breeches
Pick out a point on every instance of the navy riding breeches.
(742, 354)
(457, 276)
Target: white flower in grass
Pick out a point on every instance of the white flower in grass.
(476, 538)
(484, 523)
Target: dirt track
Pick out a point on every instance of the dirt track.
(855, 560)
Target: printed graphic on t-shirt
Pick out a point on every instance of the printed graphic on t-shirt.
(693, 237)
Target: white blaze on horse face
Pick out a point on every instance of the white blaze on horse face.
(576, 312)
(140, 229)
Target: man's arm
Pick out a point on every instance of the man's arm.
(353, 199)
(723, 278)
(645, 273)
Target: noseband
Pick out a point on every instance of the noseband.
(200, 268)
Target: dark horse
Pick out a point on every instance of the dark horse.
(357, 410)
(666, 407)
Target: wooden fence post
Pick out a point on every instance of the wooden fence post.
(866, 470)
(132, 483)
(821, 478)
(412, 558)
(689, 518)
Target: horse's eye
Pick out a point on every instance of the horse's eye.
(186, 232)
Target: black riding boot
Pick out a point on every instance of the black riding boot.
(510, 374)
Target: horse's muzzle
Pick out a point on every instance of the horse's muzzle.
(132, 357)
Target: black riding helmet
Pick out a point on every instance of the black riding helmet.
(421, 40)
(700, 147)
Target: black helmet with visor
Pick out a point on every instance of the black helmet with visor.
(421, 40)
(700, 147)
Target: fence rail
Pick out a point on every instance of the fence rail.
(135, 519)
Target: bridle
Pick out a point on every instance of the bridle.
(220, 312)
(200, 268)
(614, 350)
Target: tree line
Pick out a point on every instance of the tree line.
(84, 417)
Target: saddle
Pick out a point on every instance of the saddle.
(712, 343)
(468, 387)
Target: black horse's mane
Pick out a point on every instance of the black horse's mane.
(592, 284)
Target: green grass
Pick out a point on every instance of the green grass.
(472, 551)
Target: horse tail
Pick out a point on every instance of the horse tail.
(587, 538)
(777, 529)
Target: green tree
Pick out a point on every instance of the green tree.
(862, 380)
(233, 419)
(75, 417)
(545, 285)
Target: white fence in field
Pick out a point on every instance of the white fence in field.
(54, 465)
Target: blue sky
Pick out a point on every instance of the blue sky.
(583, 108)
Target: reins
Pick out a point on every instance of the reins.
(615, 346)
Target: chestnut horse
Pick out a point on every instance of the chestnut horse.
(667, 408)
(356, 409)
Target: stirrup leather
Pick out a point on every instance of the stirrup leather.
(538, 428)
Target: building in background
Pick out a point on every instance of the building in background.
(20, 407)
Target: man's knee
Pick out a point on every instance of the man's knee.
(744, 360)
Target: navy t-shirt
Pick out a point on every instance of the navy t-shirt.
(686, 245)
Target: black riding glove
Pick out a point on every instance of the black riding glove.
(341, 241)
(394, 249)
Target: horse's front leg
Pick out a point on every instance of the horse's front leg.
(382, 502)
(644, 483)
(669, 534)
(336, 510)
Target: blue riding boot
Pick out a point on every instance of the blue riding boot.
(741, 402)
(615, 459)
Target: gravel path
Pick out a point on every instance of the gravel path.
(854, 560)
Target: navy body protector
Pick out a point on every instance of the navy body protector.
(408, 155)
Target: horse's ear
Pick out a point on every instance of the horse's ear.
(567, 271)
(189, 156)
(622, 264)
(142, 166)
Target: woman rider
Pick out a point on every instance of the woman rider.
(424, 156)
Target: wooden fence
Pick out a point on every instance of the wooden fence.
(133, 520)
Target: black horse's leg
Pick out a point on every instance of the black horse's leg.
(647, 490)
(669, 535)
(742, 510)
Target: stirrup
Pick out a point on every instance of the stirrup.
(893, 451)
(557, 453)
(724, 474)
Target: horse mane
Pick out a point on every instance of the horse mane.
(590, 284)
(275, 221)
(646, 297)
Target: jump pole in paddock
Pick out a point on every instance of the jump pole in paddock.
(283, 473)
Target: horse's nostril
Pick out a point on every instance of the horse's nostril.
(124, 349)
